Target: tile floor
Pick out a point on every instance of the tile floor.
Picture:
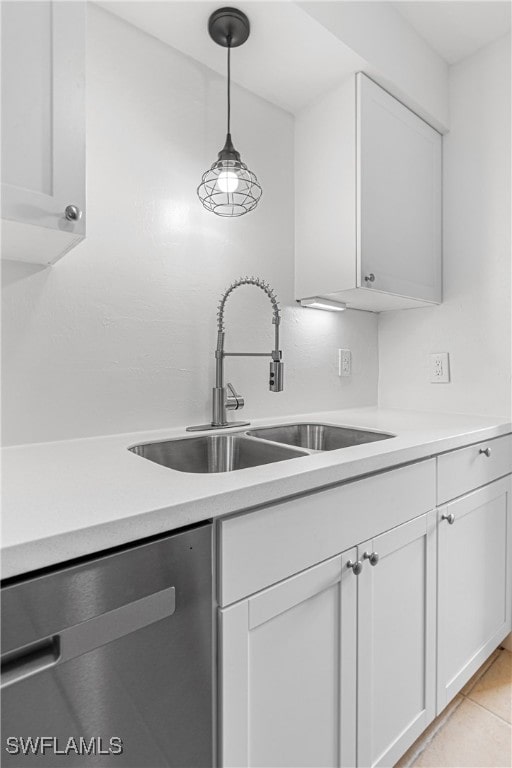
(475, 729)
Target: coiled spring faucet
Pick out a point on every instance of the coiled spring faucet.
(222, 401)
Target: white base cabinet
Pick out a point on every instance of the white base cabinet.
(345, 662)
(288, 672)
(396, 650)
(333, 667)
(474, 599)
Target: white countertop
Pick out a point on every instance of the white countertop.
(72, 498)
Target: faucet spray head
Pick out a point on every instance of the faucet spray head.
(276, 382)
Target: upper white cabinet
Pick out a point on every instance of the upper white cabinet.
(43, 129)
(368, 201)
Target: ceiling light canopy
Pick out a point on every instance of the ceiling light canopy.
(229, 188)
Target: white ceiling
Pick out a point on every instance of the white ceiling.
(457, 29)
(289, 58)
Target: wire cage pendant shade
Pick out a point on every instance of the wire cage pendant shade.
(229, 188)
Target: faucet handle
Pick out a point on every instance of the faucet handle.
(233, 391)
(234, 401)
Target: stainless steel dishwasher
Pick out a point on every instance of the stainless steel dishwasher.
(110, 659)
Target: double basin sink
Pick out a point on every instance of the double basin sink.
(252, 448)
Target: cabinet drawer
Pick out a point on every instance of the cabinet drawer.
(264, 546)
(461, 471)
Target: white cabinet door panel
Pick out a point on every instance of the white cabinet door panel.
(43, 126)
(474, 599)
(288, 672)
(368, 200)
(26, 95)
(399, 197)
(396, 642)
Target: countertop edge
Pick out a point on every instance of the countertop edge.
(57, 550)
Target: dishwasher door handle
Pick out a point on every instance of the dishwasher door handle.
(86, 636)
(29, 660)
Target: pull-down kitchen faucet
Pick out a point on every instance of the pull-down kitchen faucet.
(222, 401)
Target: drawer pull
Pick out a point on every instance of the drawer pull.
(357, 567)
(373, 557)
(485, 451)
(450, 518)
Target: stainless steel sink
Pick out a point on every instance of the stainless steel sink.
(214, 453)
(318, 437)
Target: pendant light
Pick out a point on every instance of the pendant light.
(229, 188)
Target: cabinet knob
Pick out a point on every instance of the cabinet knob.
(369, 278)
(357, 567)
(73, 213)
(485, 451)
(450, 518)
(373, 557)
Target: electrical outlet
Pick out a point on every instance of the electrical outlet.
(344, 362)
(440, 368)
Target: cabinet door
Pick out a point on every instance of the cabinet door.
(288, 672)
(398, 197)
(396, 641)
(474, 599)
(43, 128)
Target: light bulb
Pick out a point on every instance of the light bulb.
(228, 181)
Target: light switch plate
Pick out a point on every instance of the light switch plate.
(440, 368)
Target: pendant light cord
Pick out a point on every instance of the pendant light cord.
(229, 84)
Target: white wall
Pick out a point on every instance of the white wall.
(119, 335)
(473, 324)
(396, 56)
